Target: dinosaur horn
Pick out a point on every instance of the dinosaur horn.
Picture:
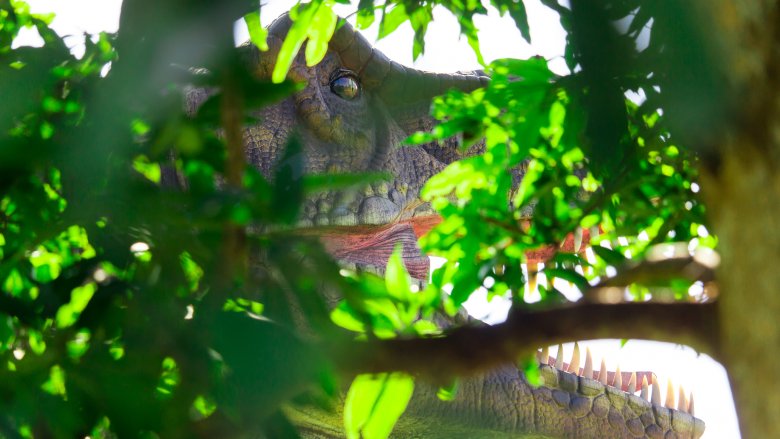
(399, 84)
(395, 83)
(404, 85)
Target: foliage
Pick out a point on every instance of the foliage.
(126, 305)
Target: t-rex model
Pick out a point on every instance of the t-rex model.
(352, 116)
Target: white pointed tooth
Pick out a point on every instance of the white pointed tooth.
(590, 256)
(690, 405)
(559, 358)
(643, 394)
(655, 391)
(544, 356)
(682, 401)
(618, 381)
(574, 364)
(577, 239)
(550, 284)
(603, 373)
(587, 371)
(533, 274)
(669, 394)
(632, 383)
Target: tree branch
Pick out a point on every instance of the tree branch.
(470, 350)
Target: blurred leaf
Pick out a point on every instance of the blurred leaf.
(148, 169)
(288, 183)
(323, 24)
(611, 257)
(55, 385)
(396, 277)
(322, 182)
(80, 297)
(530, 368)
(391, 19)
(365, 15)
(203, 407)
(257, 33)
(448, 393)
(518, 13)
(314, 21)
(374, 403)
(567, 275)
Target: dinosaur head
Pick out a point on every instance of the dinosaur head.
(355, 111)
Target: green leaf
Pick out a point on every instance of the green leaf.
(569, 275)
(14, 284)
(611, 257)
(79, 345)
(68, 313)
(288, 183)
(374, 403)
(203, 407)
(257, 33)
(148, 169)
(325, 182)
(365, 14)
(35, 339)
(46, 265)
(55, 385)
(391, 20)
(302, 16)
(448, 393)
(468, 29)
(518, 13)
(419, 20)
(396, 277)
(530, 368)
(343, 315)
(320, 31)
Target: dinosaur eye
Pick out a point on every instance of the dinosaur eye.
(345, 85)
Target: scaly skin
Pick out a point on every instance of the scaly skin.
(365, 134)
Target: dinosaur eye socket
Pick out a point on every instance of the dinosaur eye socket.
(346, 86)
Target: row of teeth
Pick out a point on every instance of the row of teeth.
(647, 391)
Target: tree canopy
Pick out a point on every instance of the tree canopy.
(125, 302)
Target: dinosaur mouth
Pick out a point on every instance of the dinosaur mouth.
(601, 392)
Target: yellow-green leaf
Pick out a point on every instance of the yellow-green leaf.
(257, 33)
(323, 25)
(396, 277)
(374, 403)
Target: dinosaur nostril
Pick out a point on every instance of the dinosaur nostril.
(345, 86)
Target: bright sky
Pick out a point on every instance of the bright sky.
(446, 52)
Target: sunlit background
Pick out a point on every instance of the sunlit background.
(446, 52)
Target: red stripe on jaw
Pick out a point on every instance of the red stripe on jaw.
(373, 245)
(424, 224)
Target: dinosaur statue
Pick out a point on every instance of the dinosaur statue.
(356, 109)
